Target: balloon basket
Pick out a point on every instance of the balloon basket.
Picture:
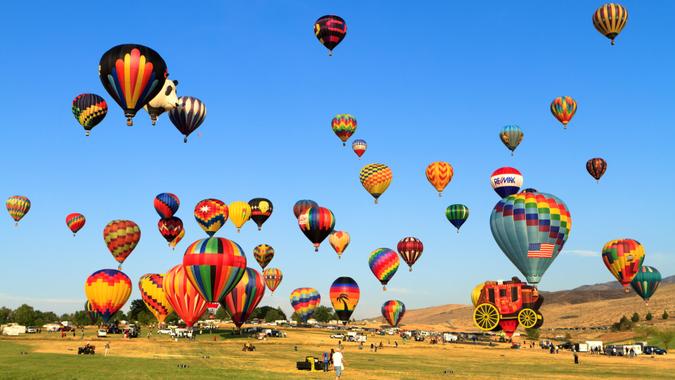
(409, 269)
(384, 288)
(440, 194)
(375, 200)
(129, 122)
(259, 228)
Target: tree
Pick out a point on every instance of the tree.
(624, 324)
(295, 317)
(664, 315)
(24, 315)
(649, 316)
(323, 314)
(222, 314)
(532, 334)
(273, 315)
(81, 318)
(635, 318)
(5, 315)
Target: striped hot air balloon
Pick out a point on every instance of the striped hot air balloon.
(211, 214)
(121, 237)
(245, 297)
(107, 291)
(344, 295)
(166, 204)
(623, 258)
(185, 299)
(344, 126)
(359, 147)
(511, 136)
(457, 214)
(563, 108)
(506, 181)
(393, 311)
(376, 178)
(646, 281)
(17, 206)
(610, 19)
(596, 167)
(263, 254)
(330, 30)
(89, 110)
(317, 223)
(383, 263)
(303, 205)
(273, 277)
(410, 248)
(75, 221)
(188, 115)
(304, 302)
(439, 174)
(339, 240)
(240, 213)
(151, 286)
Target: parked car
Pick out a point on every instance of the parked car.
(102, 333)
(31, 330)
(337, 336)
(164, 331)
(648, 350)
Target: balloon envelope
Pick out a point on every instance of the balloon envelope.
(439, 174)
(511, 136)
(623, 258)
(316, 223)
(610, 19)
(304, 302)
(330, 30)
(393, 311)
(240, 213)
(410, 248)
(121, 237)
(273, 277)
(151, 286)
(383, 263)
(646, 281)
(359, 147)
(75, 222)
(170, 228)
(261, 210)
(339, 240)
(183, 296)
(89, 110)
(211, 214)
(166, 204)
(596, 167)
(17, 206)
(263, 254)
(457, 214)
(303, 205)
(344, 295)
(188, 116)
(563, 108)
(376, 178)
(506, 181)
(245, 297)
(107, 291)
(344, 126)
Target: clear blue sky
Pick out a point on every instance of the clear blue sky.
(426, 82)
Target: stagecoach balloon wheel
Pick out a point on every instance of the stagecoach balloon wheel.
(528, 318)
(540, 321)
(486, 316)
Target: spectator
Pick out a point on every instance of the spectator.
(338, 363)
(326, 360)
(107, 347)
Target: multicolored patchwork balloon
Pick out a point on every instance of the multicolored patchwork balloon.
(383, 263)
(646, 281)
(563, 108)
(151, 286)
(439, 174)
(359, 147)
(303, 205)
(304, 302)
(506, 181)
(511, 136)
(457, 214)
(188, 116)
(344, 126)
(344, 295)
(240, 213)
(214, 266)
(121, 237)
(273, 277)
(339, 240)
(245, 297)
(107, 291)
(610, 19)
(623, 258)
(330, 30)
(17, 206)
(596, 167)
(376, 178)
(75, 221)
(170, 228)
(263, 254)
(89, 110)
(261, 209)
(393, 311)
(186, 301)
(531, 229)
(317, 223)
(211, 214)
(166, 204)
(410, 248)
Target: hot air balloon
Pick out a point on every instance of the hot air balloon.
(188, 116)
(375, 178)
(317, 223)
(263, 254)
(344, 295)
(383, 263)
(610, 19)
(151, 286)
(410, 248)
(186, 301)
(261, 209)
(531, 229)
(596, 167)
(17, 206)
(646, 281)
(177, 240)
(623, 258)
(132, 75)
(273, 277)
(89, 110)
(303, 205)
(107, 291)
(211, 214)
(121, 237)
(359, 147)
(91, 313)
(304, 302)
(330, 30)
(439, 175)
(563, 108)
(511, 136)
(393, 311)
(166, 204)
(339, 240)
(506, 181)
(240, 213)
(344, 126)
(170, 228)
(214, 266)
(244, 298)
(75, 222)
(457, 214)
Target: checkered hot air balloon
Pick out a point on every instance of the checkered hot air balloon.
(166, 204)
(89, 110)
(376, 178)
(339, 240)
(188, 115)
(245, 297)
(645, 282)
(211, 214)
(107, 291)
(344, 295)
(151, 286)
(121, 237)
(563, 108)
(330, 30)
(610, 19)
(273, 277)
(263, 254)
(304, 302)
(410, 248)
(75, 221)
(17, 206)
(316, 223)
(383, 262)
(186, 301)
(393, 311)
(623, 258)
(439, 174)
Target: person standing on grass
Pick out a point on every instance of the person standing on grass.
(325, 361)
(338, 363)
(107, 347)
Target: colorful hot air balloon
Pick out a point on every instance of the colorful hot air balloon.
(383, 263)
(151, 286)
(339, 240)
(317, 223)
(240, 213)
(563, 108)
(410, 248)
(245, 297)
(457, 214)
(273, 277)
(359, 147)
(17, 206)
(107, 291)
(261, 209)
(330, 30)
(344, 295)
(376, 178)
(211, 214)
(531, 229)
(263, 254)
(91, 313)
(89, 110)
(596, 167)
(188, 116)
(646, 281)
(132, 75)
(170, 228)
(511, 136)
(121, 237)
(186, 301)
(506, 181)
(177, 240)
(610, 19)
(304, 302)
(344, 126)
(623, 258)
(303, 205)
(214, 266)
(75, 222)
(166, 204)
(393, 311)
(439, 175)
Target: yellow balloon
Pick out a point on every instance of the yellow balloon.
(240, 213)
(152, 293)
(375, 178)
(339, 240)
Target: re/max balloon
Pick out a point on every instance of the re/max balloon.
(344, 295)
(506, 181)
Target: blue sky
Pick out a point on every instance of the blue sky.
(426, 82)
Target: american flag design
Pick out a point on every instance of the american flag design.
(540, 250)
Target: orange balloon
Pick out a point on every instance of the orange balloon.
(439, 175)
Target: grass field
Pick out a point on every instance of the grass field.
(50, 356)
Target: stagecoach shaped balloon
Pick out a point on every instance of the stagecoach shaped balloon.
(506, 181)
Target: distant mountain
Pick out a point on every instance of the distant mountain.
(588, 293)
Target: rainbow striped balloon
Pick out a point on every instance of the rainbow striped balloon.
(316, 223)
(244, 298)
(107, 291)
(344, 295)
(214, 266)
(152, 292)
(304, 302)
(393, 311)
(384, 263)
(75, 222)
(183, 296)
